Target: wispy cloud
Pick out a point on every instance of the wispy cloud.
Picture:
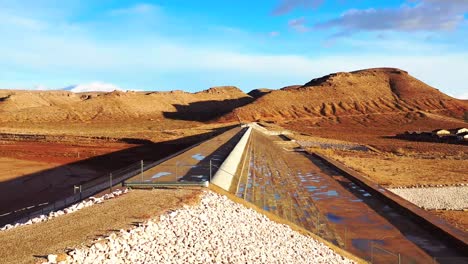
(274, 34)
(286, 6)
(414, 15)
(298, 25)
(137, 9)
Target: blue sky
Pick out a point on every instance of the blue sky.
(193, 45)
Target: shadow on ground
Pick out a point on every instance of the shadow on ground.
(57, 183)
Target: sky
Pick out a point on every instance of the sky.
(192, 45)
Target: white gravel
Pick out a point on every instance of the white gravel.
(71, 209)
(440, 198)
(215, 231)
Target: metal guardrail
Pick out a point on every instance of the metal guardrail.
(134, 185)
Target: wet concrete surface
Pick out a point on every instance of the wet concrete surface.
(301, 188)
(194, 164)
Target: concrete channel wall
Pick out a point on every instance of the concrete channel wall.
(223, 177)
(455, 237)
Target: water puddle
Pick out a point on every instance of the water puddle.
(198, 157)
(426, 244)
(160, 174)
(364, 219)
(334, 218)
(331, 193)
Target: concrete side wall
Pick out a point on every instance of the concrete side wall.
(266, 131)
(223, 177)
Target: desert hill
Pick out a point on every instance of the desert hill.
(57, 106)
(358, 93)
(257, 93)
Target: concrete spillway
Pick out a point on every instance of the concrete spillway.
(226, 172)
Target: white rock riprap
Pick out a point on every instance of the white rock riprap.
(215, 231)
(71, 209)
(441, 198)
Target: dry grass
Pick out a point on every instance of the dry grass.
(25, 244)
(394, 171)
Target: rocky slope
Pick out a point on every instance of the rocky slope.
(216, 231)
(358, 93)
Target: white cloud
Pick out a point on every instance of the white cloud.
(461, 95)
(93, 87)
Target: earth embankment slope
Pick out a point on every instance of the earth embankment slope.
(358, 93)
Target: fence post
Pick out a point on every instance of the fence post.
(290, 209)
(210, 171)
(141, 170)
(110, 179)
(176, 165)
(318, 223)
(399, 258)
(345, 235)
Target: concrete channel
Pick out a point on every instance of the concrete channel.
(315, 194)
(198, 164)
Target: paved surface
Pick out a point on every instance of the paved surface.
(301, 188)
(194, 164)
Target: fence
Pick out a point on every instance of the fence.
(80, 192)
(86, 190)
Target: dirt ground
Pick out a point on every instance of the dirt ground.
(11, 168)
(458, 219)
(29, 243)
(397, 171)
(380, 135)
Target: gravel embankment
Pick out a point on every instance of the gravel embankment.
(439, 198)
(215, 231)
(71, 209)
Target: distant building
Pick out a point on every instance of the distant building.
(459, 130)
(462, 136)
(441, 132)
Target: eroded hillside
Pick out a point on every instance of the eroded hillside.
(359, 93)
